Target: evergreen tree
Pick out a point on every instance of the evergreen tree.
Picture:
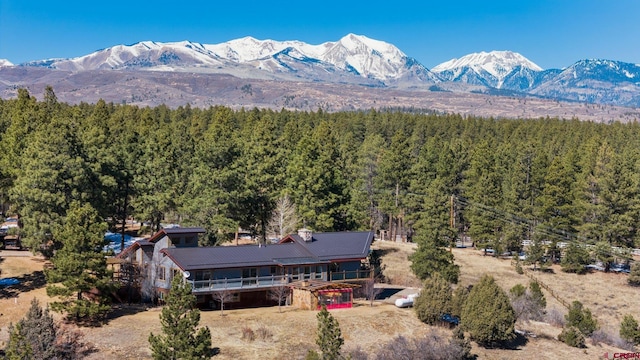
(79, 277)
(329, 337)
(18, 347)
(483, 190)
(36, 332)
(603, 252)
(581, 318)
(315, 181)
(629, 329)
(434, 300)
(487, 314)
(575, 259)
(634, 276)
(181, 338)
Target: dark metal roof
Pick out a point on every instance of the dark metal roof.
(338, 245)
(185, 230)
(325, 247)
(220, 257)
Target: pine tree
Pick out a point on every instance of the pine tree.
(629, 329)
(487, 314)
(576, 257)
(79, 277)
(38, 331)
(434, 300)
(634, 277)
(329, 337)
(581, 318)
(18, 347)
(181, 338)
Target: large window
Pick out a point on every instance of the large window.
(162, 273)
(249, 276)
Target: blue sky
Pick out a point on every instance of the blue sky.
(553, 34)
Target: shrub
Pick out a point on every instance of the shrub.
(629, 329)
(248, 334)
(487, 314)
(312, 355)
(634, 277)
(581, 318)
(555, 317)
(517, 290)
(519, 269)
(434, 299)
(263, 333)
(572, 336)
(433, 346)
(460, 295)
(602, 336)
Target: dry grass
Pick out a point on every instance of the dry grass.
(288, 335)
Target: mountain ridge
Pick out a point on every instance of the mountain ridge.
(357, 59)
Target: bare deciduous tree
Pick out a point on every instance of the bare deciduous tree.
(370, 290)
(283, 219)
(222, 296)
(280, 294)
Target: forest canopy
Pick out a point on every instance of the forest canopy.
(429, 177)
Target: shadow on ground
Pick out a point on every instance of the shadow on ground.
(28, 282)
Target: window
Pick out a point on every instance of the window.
(190, 240)
(318, 272)
(250, 272)
(161, 273)
(203, 275)
(273, 270)
(307, 272)
(249, 276)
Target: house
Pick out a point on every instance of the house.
(248, 274)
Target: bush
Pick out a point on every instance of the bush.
(519, 269)
(634, 277)
(487, 314)
(581, 318)
(555, 317)
(263, 333)
(572, 336)
(433, 346)
(517, 290)
(434, 300)
(460, 295)
(248, 334)
(601, 336)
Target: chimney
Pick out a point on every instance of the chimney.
(305, 234)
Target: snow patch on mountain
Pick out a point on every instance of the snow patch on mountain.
(5, 62)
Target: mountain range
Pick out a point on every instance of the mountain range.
(355, 60)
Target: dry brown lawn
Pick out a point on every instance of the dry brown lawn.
(289, 334)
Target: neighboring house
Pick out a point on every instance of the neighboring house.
(248, 273)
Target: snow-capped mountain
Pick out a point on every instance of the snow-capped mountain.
(495, 69)
(359, 60)
(596, 81)
(354, 58)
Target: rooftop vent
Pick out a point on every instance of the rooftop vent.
(305, 234)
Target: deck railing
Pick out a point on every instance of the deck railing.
(239, 283)
(350, 275)
(271, 281)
